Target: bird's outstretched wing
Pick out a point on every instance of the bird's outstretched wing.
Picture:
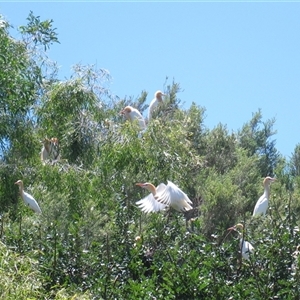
(31, 202)
(173, 196)
(149, 204)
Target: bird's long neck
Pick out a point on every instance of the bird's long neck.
(151, 188)
(267, 191)
(21, 190)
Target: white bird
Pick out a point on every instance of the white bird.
(154, 103)
(27, 198)
(133, 114)
(162, 197)
(246, 247)
(262, 203)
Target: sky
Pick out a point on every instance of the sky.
(233, 58)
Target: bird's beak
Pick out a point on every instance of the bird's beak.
(16, 182)
(140, 184)
(122, 112)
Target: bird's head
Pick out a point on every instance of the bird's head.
(268, 180)
(148, 186)
(126, 110)
(158, 95)
(19, 183)
(54, 140)
(236, 227)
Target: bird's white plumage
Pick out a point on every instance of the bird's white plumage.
(165, 196)
(262, 203)
(154, 103)
(133, 115)
(246, 248)
(27, 198)
(149, 204)
(174, 197)
(31, 202)
(136, 115)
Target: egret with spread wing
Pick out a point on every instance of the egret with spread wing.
(164, 196)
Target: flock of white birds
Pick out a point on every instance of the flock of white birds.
(133, 115)
(161, 197)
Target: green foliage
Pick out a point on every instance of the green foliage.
(41, 32)
(295, 161)
(91, 241)
(257, 141)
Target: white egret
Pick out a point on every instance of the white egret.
(246, 247)
(261, 205)
(27, 198)
(164, 196)
(133, 114)
(154, 103)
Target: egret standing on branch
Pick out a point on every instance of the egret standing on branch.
(50, 149)
(154, 103)
(162, 197)
(261, 205)
(246, 247)
(133, 114)
(27, 198)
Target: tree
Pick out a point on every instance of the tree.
(255, 138)
(295, 161)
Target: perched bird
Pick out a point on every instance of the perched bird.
(261, 205)
(162, 197)
(246, 247)
(133, 114)
(50, 149)
(154, 103)
(27, 198)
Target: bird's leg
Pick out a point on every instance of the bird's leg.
(168, 215)
(20, 231)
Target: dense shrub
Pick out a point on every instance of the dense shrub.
(91, 241)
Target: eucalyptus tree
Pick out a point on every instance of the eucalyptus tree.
(255, 137)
